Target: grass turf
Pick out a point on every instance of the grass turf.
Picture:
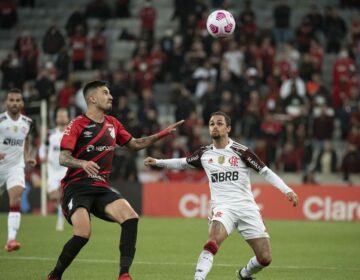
(168, 249)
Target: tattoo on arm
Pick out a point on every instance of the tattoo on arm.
(144, 142)
(66, 159)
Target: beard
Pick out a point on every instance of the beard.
(216, 136)
(107, 109)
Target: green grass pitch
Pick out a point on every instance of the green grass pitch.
(168, 250)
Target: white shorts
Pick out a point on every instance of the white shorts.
(248, 223)
(13, 177)
(54, 179)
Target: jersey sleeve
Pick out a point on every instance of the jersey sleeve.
(252, 160)
(70, 136)
(195, 159)
(122, 135)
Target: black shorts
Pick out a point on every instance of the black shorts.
(93, 199)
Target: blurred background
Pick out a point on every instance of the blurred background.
(288, 77)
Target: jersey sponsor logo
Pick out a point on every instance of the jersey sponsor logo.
(254, 163)
(224, 176)
(68, 129)
(234, 161)
(88, 134)
(97, 178)
(13, 142)
(193, 158)
(221, 159)
(92, 148)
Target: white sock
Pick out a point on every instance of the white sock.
(204, 265)
(60, 217)
(252, 267)
(13, 224)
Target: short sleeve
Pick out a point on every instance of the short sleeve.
(70, 136)
(122, 135)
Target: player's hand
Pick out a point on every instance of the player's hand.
(30, 161)
(90, 167)
(2, 156)
(149, 161)
(293, 198)
(172, 127)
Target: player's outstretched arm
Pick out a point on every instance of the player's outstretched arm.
(173, 163)
(67, 160)
(144, 142)
(277, 182)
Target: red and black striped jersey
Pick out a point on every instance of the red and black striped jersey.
(92, 141)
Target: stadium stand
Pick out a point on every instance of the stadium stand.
(284, 94)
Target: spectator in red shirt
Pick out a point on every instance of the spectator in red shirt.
(98, 45)
(78, 46)
(66, 93)
(148, 18)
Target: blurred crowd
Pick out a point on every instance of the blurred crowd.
(269, 78)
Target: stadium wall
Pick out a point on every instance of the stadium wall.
(325, 202)
(191, 200)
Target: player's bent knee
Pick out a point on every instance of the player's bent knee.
(82, 232)
(264, 259)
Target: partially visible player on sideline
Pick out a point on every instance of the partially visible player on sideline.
(227, 164)
(15, 131)
(87, 149)
(50, 153)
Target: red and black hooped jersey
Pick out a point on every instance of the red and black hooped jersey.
(95, 142)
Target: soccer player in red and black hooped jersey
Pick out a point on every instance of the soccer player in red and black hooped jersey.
(87, 149)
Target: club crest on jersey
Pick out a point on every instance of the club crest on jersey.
(234, 161)
(210, 160)
(112, 132)
(221, 159)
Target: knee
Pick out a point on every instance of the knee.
(84, 232)
(264, 259)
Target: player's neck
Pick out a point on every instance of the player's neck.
(221, 143)
(95, 115)
(14, 117)
(61, 127)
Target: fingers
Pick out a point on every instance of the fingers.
(2, 156)
(91, 168)
(149, 161)
(175, 125)
(293, 198)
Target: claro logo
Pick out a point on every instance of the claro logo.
(193, 205)
(319, 208)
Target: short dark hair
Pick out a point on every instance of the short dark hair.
(226, 116)
(14, 90)
(92, 85)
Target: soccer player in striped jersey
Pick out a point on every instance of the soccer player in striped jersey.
(87, 149)
(227, 165)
